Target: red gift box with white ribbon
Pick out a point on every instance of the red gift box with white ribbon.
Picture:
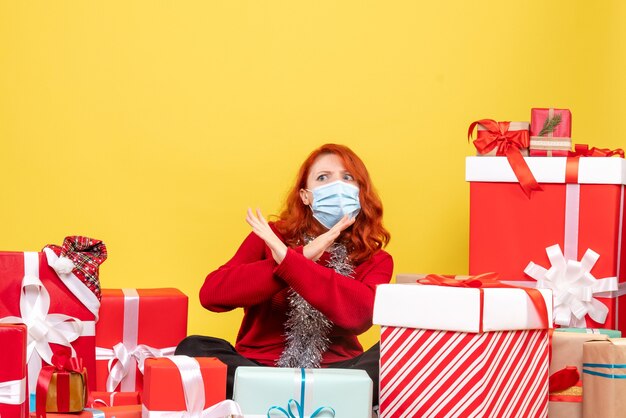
(179, 386)
(463, 351)
(58, 309)
(13, 371)
(567, 237)
(136, 324)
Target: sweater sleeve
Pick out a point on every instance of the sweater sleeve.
(347, 302)
(245, 280)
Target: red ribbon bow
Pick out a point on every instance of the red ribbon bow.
(583, 150)
(489, 280)
(62, 364)
(508, 143)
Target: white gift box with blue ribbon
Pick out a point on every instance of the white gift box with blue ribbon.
(303, 393)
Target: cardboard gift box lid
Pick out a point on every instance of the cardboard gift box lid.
(457, 309)
(611, 333)
(591, 170)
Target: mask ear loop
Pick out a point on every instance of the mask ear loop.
(310, 205)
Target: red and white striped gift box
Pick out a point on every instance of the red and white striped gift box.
(444, 353)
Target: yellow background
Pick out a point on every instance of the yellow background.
(153, 125)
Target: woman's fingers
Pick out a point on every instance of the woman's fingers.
(250, 218)
(260, 216)
(343, 224)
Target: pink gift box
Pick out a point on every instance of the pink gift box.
(546, 141)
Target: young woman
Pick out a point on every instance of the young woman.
(306, 282)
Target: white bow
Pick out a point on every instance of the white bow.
(122, 361)
(13, 392)
(573, 287)
(43, 328)
(193, 388)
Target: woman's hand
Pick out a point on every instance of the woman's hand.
(262, 229)
(314, 249)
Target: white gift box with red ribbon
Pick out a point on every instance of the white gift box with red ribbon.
(451, 351)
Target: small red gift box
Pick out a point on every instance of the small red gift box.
(106, 399)
(574, 227)
(550, 132)
(169, 382)
(136, 324)
(13, 371)
(58, 305)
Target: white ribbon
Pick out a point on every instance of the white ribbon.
(13, 392)
(193, 388)
(43, 328)
(126, 357)
(573, 287)
(122, 362)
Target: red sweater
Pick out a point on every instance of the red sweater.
(254, 281)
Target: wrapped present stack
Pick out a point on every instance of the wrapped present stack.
(76, 350)
(55, 294)
(565, 233)
(554, 220)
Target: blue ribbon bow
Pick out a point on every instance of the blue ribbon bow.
(299, 406)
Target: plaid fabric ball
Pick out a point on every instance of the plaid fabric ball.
(87, 254)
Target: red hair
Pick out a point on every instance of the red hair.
(366, 236)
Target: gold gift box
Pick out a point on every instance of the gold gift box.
(74, 384)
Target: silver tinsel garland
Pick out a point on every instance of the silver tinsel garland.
(307, 329)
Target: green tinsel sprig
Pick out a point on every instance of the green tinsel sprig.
(550, 124)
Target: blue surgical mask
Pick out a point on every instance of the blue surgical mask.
(332, 201)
